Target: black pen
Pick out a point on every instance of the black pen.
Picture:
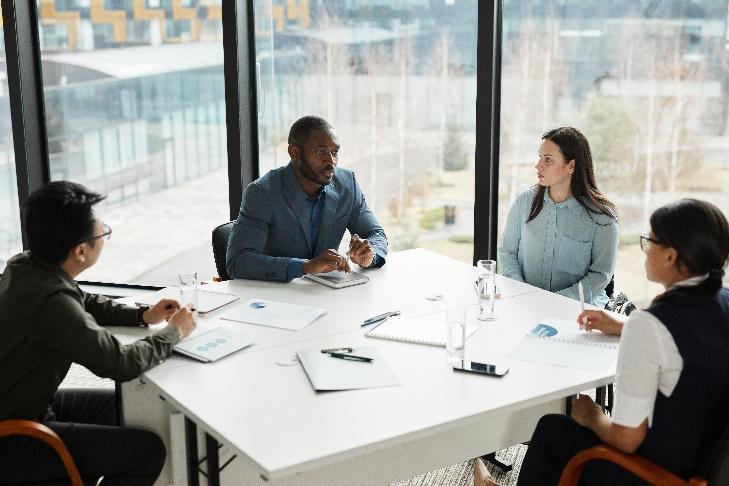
(350, 357)
(380, 317)
(336, 350)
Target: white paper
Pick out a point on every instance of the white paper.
(327, 374)
(274, 314)
(560, 342)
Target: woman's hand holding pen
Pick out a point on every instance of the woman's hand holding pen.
(600, 320)
(360, 251)
(161, 311)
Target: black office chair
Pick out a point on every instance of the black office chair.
(221, 234)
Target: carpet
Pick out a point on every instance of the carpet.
(462, 474)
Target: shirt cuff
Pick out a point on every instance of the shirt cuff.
(295, 268)
(632, 411)
(377, 261)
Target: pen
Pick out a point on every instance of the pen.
(337, 350)
(350, 357)
(380, 317)
(582, 302)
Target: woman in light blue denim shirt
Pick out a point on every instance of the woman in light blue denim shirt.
(563, 230)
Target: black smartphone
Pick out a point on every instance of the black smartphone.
(481, 368)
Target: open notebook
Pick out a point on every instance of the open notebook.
(418, 331)
(562, 343)
(207, 300)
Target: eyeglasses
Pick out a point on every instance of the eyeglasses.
(645, 239)
(106, 234)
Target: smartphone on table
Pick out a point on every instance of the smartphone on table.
(481, 368)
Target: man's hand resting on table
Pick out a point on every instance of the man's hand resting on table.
(184, 321)
(360, 251)
(328, 261)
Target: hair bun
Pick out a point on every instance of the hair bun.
(717, 273)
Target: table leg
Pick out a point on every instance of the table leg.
(193, 478)
(213, 461)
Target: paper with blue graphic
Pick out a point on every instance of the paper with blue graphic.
(269, 313)
(560, 342)
(214, 344)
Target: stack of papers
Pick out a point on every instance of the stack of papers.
(328, 374)
(274, 314)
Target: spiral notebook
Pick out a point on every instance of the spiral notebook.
(562, 343)
(418, 331)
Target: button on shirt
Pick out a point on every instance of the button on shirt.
(562, 246)
(314, 204)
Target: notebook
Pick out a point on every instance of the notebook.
(338, 279)
(562, 343)
(328, 374)
(418, 331)
(274, 314)
(207, 300)
(214, 344)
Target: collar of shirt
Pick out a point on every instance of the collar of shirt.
(689, 282)
(570, 203)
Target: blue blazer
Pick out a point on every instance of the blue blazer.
(273, 224)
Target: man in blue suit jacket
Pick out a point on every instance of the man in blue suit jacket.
(293, 218)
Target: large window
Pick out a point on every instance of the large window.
(135, 109)
(647, 82)
(397, 80)
(10, 240)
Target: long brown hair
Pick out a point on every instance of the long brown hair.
(574, 146)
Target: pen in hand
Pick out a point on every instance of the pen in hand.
(581, 293)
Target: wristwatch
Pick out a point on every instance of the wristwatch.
(140, 315)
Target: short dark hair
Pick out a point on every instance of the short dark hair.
(300, 130)
(699, 232)
(59, 216)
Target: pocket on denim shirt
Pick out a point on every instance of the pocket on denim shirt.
(571, 258)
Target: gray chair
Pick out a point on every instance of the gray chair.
(221, 234)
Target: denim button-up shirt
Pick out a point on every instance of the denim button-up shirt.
(562, 246)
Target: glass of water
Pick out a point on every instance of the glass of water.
(188, 287)
(456, 328)
(486, 289)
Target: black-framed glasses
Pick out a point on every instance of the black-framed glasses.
(106, 234)
(645, 239)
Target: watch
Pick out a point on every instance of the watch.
(140, 315)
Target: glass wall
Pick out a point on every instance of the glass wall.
(397, 80)
(10, 238)
(135, 109)
(648, 84)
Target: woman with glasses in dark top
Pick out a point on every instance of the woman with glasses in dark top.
(672, 384)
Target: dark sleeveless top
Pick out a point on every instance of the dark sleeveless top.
(686, 424)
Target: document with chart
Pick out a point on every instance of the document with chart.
(270, 313)
(561, 342)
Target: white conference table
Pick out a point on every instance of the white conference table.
(283, 432)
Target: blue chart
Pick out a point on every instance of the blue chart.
(544, 330)
(213, 345)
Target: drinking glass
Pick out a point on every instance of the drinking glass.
(188, 288)
(456, 328)
(486, 289)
